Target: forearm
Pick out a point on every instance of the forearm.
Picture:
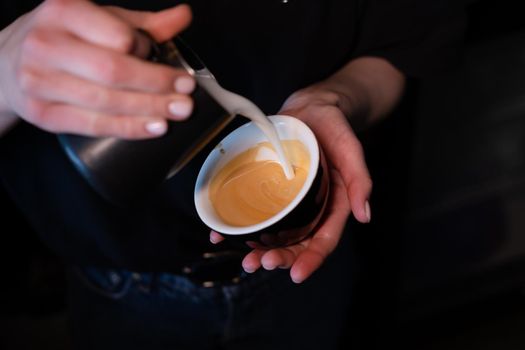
(369, 87)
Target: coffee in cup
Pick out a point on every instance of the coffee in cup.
(252, 187)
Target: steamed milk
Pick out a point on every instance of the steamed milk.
(250, 188)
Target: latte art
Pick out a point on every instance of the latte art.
(252, 188)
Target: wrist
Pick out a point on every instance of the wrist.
(345, 96)
(368, 89)
(349, 97)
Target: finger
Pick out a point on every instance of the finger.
(68, 89)
(359, 194)
(56, 50)
(325, 240)
(59, 118)
(252, 261)
(89, 22)
(320, 246)
(216, 237)
(162, 25)
(281, 257)
(353, 169)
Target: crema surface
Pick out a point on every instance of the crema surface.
(249, 190)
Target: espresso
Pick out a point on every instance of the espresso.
(252, 187)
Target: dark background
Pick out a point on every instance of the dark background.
(443, 268)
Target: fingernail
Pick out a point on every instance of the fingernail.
(296, 279)
(248, 269)
(157, 127)
(269, 267)
(181, 109)
(213, 240)
(368, 212)
(184, 85)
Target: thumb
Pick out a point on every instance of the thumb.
(162, 25)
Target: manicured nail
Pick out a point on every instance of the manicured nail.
(296, 279)
(157, 127)
(368, 212)
(181, 109)
(184, 85)
(269, 267)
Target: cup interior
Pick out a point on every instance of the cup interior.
(241, 139)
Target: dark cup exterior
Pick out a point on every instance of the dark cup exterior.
(300, 223)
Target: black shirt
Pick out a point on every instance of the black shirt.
(262, 49)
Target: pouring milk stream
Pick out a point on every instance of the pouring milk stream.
(236, 104)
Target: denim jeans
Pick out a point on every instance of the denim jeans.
(117, 309)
